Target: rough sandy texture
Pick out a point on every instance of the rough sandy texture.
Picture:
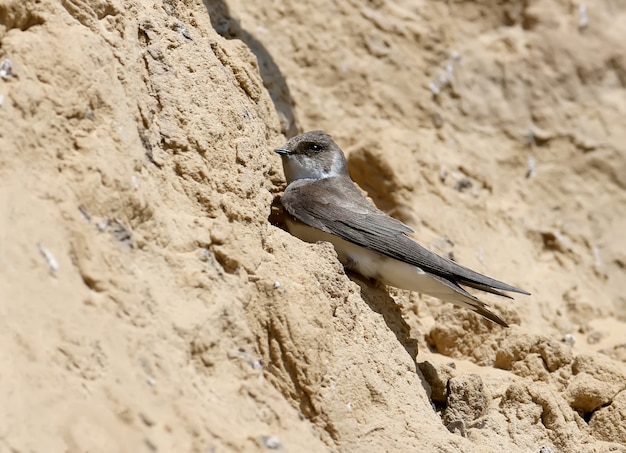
(148, 304)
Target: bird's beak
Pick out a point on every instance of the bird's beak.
(282, 151)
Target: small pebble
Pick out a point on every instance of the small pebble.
(53, 264)
(6, 69)
(271, 442)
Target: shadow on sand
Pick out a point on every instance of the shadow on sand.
(273, 79)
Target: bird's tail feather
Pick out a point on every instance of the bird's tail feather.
(457, 295)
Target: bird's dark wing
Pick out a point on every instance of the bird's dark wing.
(335, 205)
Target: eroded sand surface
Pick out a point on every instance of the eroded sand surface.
(147, 303)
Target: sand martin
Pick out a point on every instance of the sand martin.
(324, 204)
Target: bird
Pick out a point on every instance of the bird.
(324, 204)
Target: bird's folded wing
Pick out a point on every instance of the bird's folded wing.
(336, 206)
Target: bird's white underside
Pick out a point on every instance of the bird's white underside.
(388, 270)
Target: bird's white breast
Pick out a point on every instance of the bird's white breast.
(369, 263)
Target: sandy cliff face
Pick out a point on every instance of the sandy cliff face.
(148, 304)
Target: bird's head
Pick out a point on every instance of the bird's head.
(312, 155)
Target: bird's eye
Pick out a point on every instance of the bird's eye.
(315, 147)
